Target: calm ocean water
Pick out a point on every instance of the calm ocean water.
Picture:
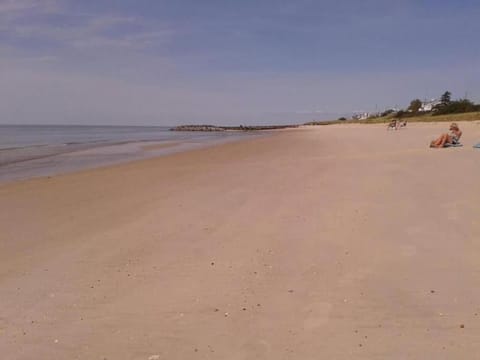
(32, 150)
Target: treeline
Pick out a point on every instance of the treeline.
(444, 106)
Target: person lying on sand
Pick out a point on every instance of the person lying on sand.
(450, 138)
(396, 124)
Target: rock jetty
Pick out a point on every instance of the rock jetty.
(230, 128)
(197, 128)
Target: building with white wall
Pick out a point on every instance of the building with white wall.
(429, 105)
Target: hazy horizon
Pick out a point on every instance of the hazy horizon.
(165, 63)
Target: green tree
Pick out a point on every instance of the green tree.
(415, 106)
(446, 98)
(457, 107)
(387, 112)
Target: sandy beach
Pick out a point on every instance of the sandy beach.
(328, 242)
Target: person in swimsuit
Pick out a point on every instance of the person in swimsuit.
(450, 138)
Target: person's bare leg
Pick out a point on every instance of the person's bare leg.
(435, 143)
(446, 139)
(440, 142)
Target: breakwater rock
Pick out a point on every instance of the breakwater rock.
(230, 128)
(197, 128)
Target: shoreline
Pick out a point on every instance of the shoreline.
(99, 155)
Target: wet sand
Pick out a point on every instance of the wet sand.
(160, 146)
(331, 242)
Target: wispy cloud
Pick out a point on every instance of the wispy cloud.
(15, 9)
(39, 59)
(20, 7)
(134, 41)
(31, 20)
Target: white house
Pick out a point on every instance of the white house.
(362, 116)
(428, 106)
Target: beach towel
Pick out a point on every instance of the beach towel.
(452, 145)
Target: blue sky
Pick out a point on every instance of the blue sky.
(230, 62)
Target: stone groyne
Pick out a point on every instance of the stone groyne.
(230, 128)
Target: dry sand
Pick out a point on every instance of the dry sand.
(334, 242)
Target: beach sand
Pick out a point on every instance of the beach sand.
(329, 242)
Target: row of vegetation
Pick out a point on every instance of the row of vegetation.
(445, 106)
(443, 109)
(420, 117)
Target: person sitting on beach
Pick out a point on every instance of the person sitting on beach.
(450, 138)
(393, 124)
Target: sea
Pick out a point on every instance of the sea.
(28, 151)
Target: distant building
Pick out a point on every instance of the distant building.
(362, 116)
(428, 106)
